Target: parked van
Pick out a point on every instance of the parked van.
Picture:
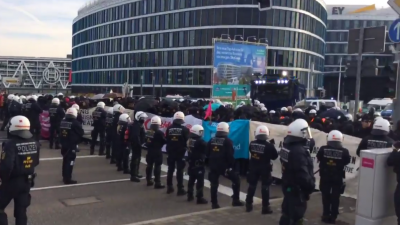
(304, 104)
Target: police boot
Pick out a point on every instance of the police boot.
(170, 190)
(57, 146)
(201, 201)
(127, 171)
(249, 207)
(91, 151)
(135, 179)
(215, 206)
(159, 186)
(181, 192)
(50, 146)
(190, 197)
(237, 202)
(332, 220)
(266, 210)
(70, 181)
(150, 183)
(325, 219)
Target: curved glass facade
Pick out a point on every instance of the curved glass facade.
(170, 41)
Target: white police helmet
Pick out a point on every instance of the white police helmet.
(101, 105)
(10, 96)
(223, 128)
(272, 112)
(140, 116)
(197, 130)
(22, 97)
(335, 135)
(155, 120)
(55, 101)
(179, 117)
(76, 106)
(284, 109)
(110, 110)
(261, 133)
(72, 112)
(19, 126)
(16, 98)
(312, 111)
(34, 97)
(349, 117)
(298, 110)
(381, 127)
(299, 129)
(118, 108)
(263, 109)
(124, 117)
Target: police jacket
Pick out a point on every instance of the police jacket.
(15, 109)
(121, 131)
(154, 142)
(99, 118)
(71, 132)
(177, 136)
(374, 141)
(19, 157)
(394, 161)
(261, 154)
(109, 123)
(310, 144)
(79, 117)
(56, 113)
(197, 151)
(297, 167)
(115, 122)
(220, 153)
(332, 161)
(136, 134)
(32, 110)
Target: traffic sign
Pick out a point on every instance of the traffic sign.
(394, 31)
(395, 4)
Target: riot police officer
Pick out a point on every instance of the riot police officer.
(109, 133)
(261, 154)
(332, 160)
(6, 111)
(154, 142)
(220, 154)
(196, 156)
(99, 124)
(32, 111)
(15, 108)
(177, 137)
(394, 161)
(71, 133)
(378, 138)
(123, 145)
(17, 170)
(136, 139)
(298, 180)
(79, 117)
(117, 111)
(56, 113)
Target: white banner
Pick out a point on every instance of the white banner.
(278, 132)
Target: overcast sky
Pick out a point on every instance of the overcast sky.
(42, 28)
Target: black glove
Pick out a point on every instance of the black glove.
(272, 141)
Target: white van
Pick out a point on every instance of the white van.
(304, 104)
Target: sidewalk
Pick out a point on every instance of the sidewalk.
(237, 215)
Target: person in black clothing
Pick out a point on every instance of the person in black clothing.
(19, 157)
(109, 133)
(363, 129)
(196, 158)
(154, 142)
(117, 111)
(177, 136)
(298, 180)
(332, 160)
(123, 145)
(378, 138)
(261, 154)
(394, 161)
(15, 107)
(56, 113)
(6, 112)
(99, 125)
(71, 133)
(32, 111)
(136, 139)
(220, 154)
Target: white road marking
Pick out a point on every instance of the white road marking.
(83, 184)
(221, 188)
(78, 157)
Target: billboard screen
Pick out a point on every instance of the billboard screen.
(234, 64)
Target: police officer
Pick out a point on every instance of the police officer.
(117, 111)
(261, 154)
(298, 180)
(17, 170)
(220, 154)
(71, 133)
(6, 111)
(123, 145)
(79, 118)
(56, 113)
(15, 108)
(332, 160)
(99, 124)
(378, 138)
(196, 156)
(109, 133)
(32, 111)
(136, 139)
(394, 161)
(177, 137)
(154, 142)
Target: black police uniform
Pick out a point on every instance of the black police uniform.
(6, 114)
(71, 133)
(109, 134)
(32, 111)
(220, 154)
(56, 113)
(136, 139)
(261, 154)
(122, 155)
(298, 180)
(310, 144)
(374, 141)
(332, 160)
(115, 136)
(99, 125)
(15, 109)
(394, 161)
(17, 172)
(154, 142)
(177, 136)
(196, 157)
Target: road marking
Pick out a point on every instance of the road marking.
(83, 184)
(221, 188)
(78, 157)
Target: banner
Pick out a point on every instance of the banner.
(239, 134)
(45, 124)
(278, 132)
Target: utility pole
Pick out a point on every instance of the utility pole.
(358, 75)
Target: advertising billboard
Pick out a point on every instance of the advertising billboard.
(234, 64)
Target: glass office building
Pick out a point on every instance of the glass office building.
(168, 43)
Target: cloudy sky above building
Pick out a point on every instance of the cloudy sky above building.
(42, 28)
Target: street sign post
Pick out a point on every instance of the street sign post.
(394, 31)
(361, 41)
